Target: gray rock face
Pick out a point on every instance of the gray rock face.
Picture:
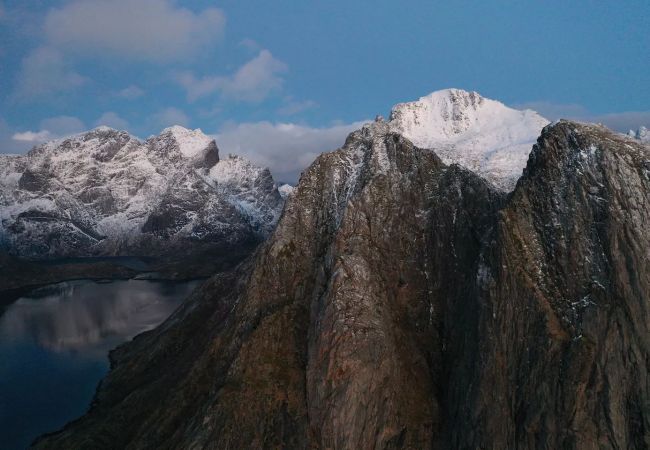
(106, 193)
(404, 303)
(563, 355)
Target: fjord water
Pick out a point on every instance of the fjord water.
(54, 345)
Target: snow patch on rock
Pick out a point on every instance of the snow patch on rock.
(190, 142)
(286, 190)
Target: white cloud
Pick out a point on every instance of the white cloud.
(7, 143)
(33, 136)
(131, 92)
(171, 116)
(113, 120)
(253, 82)
(285, 148)
(149, 30)
(45, 72)
(256, 79)
(51, 128)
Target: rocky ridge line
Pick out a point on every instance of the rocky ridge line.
(405, 303)
(105, 193)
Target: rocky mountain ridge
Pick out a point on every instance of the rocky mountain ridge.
(405, 303)
(104, 193)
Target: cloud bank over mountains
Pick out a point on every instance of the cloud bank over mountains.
(285, 148)
(143, 65)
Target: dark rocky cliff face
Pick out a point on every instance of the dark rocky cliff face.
(563, 312)
(403, 303)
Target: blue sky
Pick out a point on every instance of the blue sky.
(285, 73)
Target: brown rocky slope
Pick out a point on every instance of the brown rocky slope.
(403, 303)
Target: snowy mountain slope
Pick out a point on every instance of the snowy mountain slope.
(250, 189)
(480, 134)
(642, 134)
(104, 192)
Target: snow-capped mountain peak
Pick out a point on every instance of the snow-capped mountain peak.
(105, 192)
(96, 142)
(465, 128)
(181, 145)
(190, 142)
(439, 115)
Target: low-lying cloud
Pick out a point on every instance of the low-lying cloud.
(33, 136)
(285, 148)
(49, 129)
(16, 141)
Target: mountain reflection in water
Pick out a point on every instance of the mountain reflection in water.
(54, 347)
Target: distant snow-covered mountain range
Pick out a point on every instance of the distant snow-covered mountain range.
(105, 192)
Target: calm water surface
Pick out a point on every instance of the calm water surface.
(54, 347)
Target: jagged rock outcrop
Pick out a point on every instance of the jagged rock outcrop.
(404, 303)
(563, 312)
(106, 193)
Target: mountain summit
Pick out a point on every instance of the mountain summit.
(105, 193)
(482, 135)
